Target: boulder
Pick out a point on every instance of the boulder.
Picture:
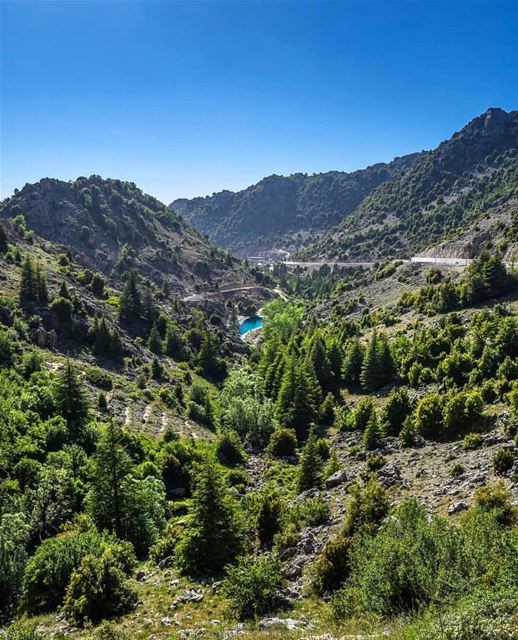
(457, 507)
(389, 474)
(335, 480)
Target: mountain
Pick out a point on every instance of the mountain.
(112, 226)
(285, 212)
(465, 178)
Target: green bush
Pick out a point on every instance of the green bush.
(98, 589)
(412, 562)
(229, 450)
(375, 462)
(165, 546)
(283, 443)
(472, 441)
(503, 461)
(484, 615)
(254, 586)
(269, 510)
(48, 572)
(99, 378)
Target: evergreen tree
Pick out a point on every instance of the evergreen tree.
(103, 339)
(149, 309)
(296, 403)
(174, 342)
(116, 348)
(3, 239)
(112, 466)
(28, 284)
(353, 361)
(215, 537)
(63, 291)
(369, 376)
(71, 401)
(319, 362)
(42, 291)
(130, 302)
(395, 412)
(155, 341)
(208, 359)
(385, 363)
(334, 355)
(310, 471)
(494, 275)
(371, 434)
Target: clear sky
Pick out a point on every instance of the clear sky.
(187, 98)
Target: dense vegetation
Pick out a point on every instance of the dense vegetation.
(88, 505)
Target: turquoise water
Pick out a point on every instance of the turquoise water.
(253, 322)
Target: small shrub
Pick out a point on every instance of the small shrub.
(283, 443)
(472, 441)
(229, 450)
(254, 586)
(269, 511)
(456, 470)
(375, 462)
(503, 461)
(99, 378)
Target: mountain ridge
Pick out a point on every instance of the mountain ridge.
(282, 211)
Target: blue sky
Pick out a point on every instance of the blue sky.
(187, 98)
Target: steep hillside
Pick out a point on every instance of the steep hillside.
(466, 177)
(112, 226)
(284, 212)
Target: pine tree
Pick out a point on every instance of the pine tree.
(334, 355)
(63, 291)
(494, 275)
(371, 434)
(130, 302)
(155, 341)
(112, 466)
(116, 347)
(28, 284)
(41, 286)
(369, 376)
(318, 360)
(395, 412)
(148, 308)
(385, 363)
(3, 240)
(71, 401)
(174, 342)
(296, 403)
(208, 356)
(310, 471)
(103, 339)
(215, 537)
(353, 362)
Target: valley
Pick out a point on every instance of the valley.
(317, 443)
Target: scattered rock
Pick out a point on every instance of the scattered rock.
(389, 474)
(166, 562)
(288, 623)
(335, 480)
(457, 507)
(294, 569)
(191, 595)
(140, 575)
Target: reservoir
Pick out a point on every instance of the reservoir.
(248, 324)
